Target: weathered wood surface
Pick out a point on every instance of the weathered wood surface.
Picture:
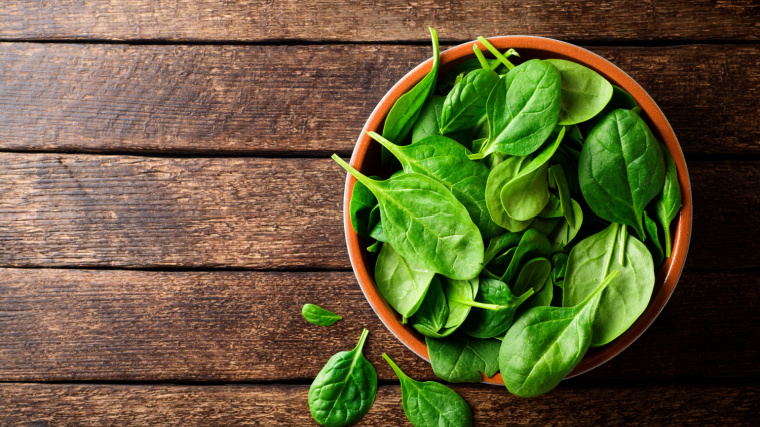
(308, 99)
(322, 20)
(258, 213)
(116, 325)
(98, 405)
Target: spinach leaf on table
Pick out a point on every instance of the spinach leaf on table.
(523, 109)
(668, 202)
(317, 315)
(621, 169)
(426, 224)
(430, 403)
(627, 295)
(461, 359)
(344, 389)
(446, 161)
(584, 92)
(546, 343)
(466, 103)
(493, 309)
(407, 108)
(400, 282)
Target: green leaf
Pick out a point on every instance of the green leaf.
(523, 109)
(466, 103)
(542, 298)
(407, 108)
(532, 275)
(431, 317)
(564, 233)
(447, 82)
(532, 244)
(446, 161)
(621, 169)
(627, 295)
(319, 316)
(584, 92)
(500, 243)
(653, 243)
(362, 202)
(461, 359)
(620, 99)
(668, 202)
(546, 343)
(430, 403)
(400, 282)
(526, 196)
(344, 389)
(497, 318)
(497, 179)
(426, 224)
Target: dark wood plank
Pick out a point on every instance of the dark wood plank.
(307, 99)
(249, 20)
(137, 212)
(115, 325)
(97, 405)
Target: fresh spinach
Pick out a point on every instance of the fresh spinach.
(494, 309)
(344, 389)
(532, 244)
(546, 343)
(564, 233)
(668, 202)
(627, 295)
(466, 103)
(542, 298)
(621, 169)
(523, 109)
(400, 282)
(430, 403)
(426, 224)
(532, 275)
(446, 161)
(432, 314)
(461, 359)
(584, 92)
(500, 175)
(653, 242)
(362, 203)
(319, 316)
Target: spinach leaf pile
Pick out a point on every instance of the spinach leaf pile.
(521, 216)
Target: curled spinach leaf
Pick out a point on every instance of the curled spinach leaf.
(546, 343)
(653, 243)
(461, 359)
(466, 103)
(426, 224)
(317, 315)
(627, 295)
(500, 175)
(400, 282)
(430, 403)
(668, 202)
(584, 92)
(431, 317)
(532, 244)
(621, 169)
(344, 389)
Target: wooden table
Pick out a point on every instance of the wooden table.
(167, 205)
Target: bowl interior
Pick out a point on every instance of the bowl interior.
(366, 158)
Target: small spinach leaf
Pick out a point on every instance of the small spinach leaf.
(668, 202)
(319, 316)
(400, 282)
(430, 403)
(461, 359)
(532, 275)
(532, 244)
(431, 317)
(584, 92)
(466, 103)
(344, 389)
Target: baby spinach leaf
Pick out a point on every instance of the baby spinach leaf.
(564, 233)
(627, 295)
(523, 109)
(584, 92)
(532, 275)
(553, 209)
(377, 232)
(621, 169)
(668, 202)
(429, 121)
(546, 343)
(458, 290)
(500, 264)
(466, 103)
(373, 248)
(497, 179)
(319, 316)
(558, 180)
(494, 309)
(446, 161)
(400, 282)
(524, 197)
(431, 317)
(461, 359)
(362, 203)
(344, 389)
(499, 243)
(430, 403)
(426, 224)
(532, 244)
(653, 243)
(407, 108)
(620, 99)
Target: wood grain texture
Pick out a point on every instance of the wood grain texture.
(98, 405)
(249, 20)
(256, 213)
(307, 99)
(115, 325)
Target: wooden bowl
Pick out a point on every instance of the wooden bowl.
(366, 158)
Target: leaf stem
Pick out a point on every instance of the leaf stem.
(496, 53)
(362, 340)
(390, 146)
(481, 58)
(621, 244)
(599, 288)
(495, 307)
(668, 247)
(370, 183)
(399, 373)
(609, 254)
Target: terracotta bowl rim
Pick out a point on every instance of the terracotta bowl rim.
(667, 276)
